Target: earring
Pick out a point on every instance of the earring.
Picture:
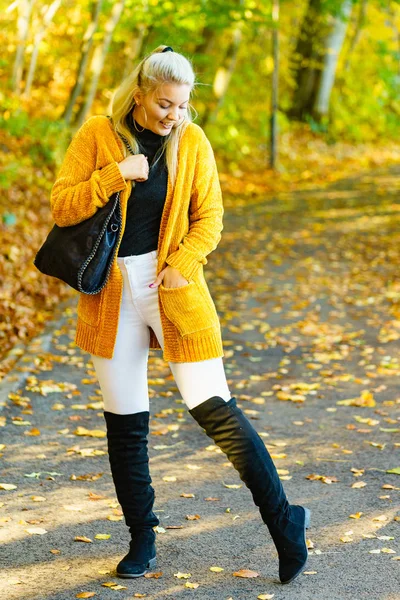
(145, 119)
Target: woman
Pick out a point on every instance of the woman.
(157, 297)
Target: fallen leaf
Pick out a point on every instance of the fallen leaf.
(246, 573)
(180, 575)
(395, 471)
(380, 519)
(7, 486)
(36, 530)
(85, 595)
(102, 536)
(80, 538)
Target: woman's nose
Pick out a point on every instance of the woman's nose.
(174, 114)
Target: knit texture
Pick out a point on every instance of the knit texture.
(190, 229)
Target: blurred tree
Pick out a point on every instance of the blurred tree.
(24, 14)
(85, 50)
(46, 17)
(97, 62)
(315, 59)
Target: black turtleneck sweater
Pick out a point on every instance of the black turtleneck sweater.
(146, 202)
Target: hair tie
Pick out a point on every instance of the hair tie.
(167, 49)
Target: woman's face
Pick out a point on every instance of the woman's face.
(165, 107)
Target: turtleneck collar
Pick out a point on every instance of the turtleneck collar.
(146, 135)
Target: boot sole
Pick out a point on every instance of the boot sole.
(307, 520)
(150, 565)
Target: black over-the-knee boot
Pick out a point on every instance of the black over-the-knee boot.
(226, 424)
(129, 461)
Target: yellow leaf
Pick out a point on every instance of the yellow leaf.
(388, 551)
(356, 515)
(265, 596)
(381, 518)
(216, 569)
(187, 495)
(232, 486)
(38, 498)
(97, 433)
(7, 486)
(85, 595)
(359, 484)
(102, 536)
(346, 538)
(119, 587)
(36, 530)
(80, 538)
(114, 518)
(33, 431)
(180, 575)
(193, 586)
(245, 573)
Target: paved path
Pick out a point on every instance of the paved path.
(308, 292)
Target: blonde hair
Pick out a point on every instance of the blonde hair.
(155, 69)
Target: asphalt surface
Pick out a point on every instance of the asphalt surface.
(307, 289)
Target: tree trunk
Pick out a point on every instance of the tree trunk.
(315, 58)
(361, 18)
(134, 48)
(86, 47)
(274, 86)
(307, 60)
(49, 13)
(97, 62)
(24, 14)
(223, 76)
(334, 43)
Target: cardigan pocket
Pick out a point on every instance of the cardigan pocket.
(89, 307)
(188, 308)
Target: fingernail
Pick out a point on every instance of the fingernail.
(151, 285)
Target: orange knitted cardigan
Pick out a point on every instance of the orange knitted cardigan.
(190, 229)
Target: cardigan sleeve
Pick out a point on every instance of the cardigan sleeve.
(80, 189)
(205, 215)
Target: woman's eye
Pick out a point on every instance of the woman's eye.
(181, 107)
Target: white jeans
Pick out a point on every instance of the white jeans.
(123, 379)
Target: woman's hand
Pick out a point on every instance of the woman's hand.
(170, 278)
(135, 167)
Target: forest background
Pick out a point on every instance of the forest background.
(324, 74)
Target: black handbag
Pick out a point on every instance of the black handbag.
(82, 255)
